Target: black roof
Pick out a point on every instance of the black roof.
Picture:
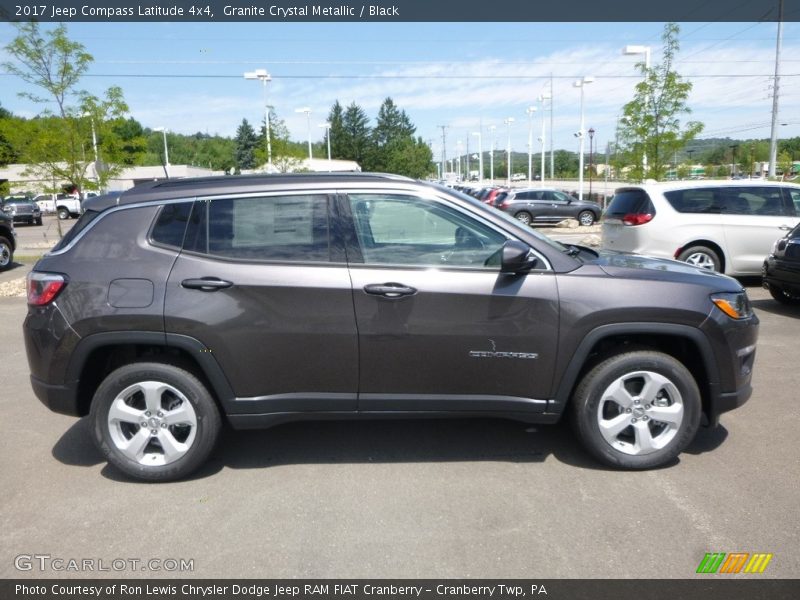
(206, 186)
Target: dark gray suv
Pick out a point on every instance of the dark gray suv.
(545, 205)
(176, 306)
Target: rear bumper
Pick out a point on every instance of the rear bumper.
(62, 399)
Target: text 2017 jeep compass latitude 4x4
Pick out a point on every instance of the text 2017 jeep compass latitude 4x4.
(175, 306)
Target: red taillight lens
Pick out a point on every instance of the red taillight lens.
(44, 287)
(637, 218)
(504, 204)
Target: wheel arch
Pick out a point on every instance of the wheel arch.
(97, 355)
(684, 343)
(708, 244)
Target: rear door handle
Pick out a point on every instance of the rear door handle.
(784, 228)
(206, 284)
(389, 290)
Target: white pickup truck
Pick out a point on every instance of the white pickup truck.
(65, 205)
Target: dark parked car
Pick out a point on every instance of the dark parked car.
(547, 206)
(7, 241)
(22, 209)
(782, 269)
(257, 300)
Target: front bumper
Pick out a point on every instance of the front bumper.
(723, 402)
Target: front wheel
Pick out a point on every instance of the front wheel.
(154, 421)
(784, 297)
(6, 254)
(586, 218)
(637, 410)
(701, 256)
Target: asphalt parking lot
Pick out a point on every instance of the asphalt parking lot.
(450, 498)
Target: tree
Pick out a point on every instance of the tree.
(391, 139)
(355, 134)
(565, 163)
(410, 157)
(53, 63)
(652, 127)
(336, 130)
(8, 152)
(246, 140)
(785, 164)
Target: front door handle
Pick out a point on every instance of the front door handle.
(784, 228)
(206, 284)
(389, 290)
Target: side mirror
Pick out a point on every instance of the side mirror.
(517, 258)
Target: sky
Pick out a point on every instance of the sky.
(471, 77)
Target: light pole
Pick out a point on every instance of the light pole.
(459, 145)
(264, 77)
(94, 147)
(530, 110)
(581, 83)
(327, 127)
(508, 123)
(629, 51)
(542, 98)
(307, 111)
(480, 155)
(492, 130)
(591, 160)
(733, 160)
(163, 130)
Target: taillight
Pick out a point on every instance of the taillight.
(637, 218)
(505, 204)
(44, 287)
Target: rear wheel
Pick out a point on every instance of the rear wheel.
(154, 422)
(701, 256)
(524, 217)
(6, 254)
(63, 214)
(637, 410)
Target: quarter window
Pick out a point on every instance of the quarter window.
(171, 224)
(405, 230)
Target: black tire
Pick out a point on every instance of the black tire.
(592, 403)
(702, 256)
(6, 254)
(63, 214)
(206, 427)
(783, 297)
(39, 221)
(586, 218)
(524, 217)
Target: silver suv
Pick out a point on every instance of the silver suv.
(726, 226)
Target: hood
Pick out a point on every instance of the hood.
(635, 266)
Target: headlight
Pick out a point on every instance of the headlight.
(734, 304)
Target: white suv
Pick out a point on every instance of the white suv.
(727, 226)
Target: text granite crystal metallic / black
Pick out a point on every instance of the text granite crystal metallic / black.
(178, 305)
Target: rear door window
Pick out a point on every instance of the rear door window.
(291, 228)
